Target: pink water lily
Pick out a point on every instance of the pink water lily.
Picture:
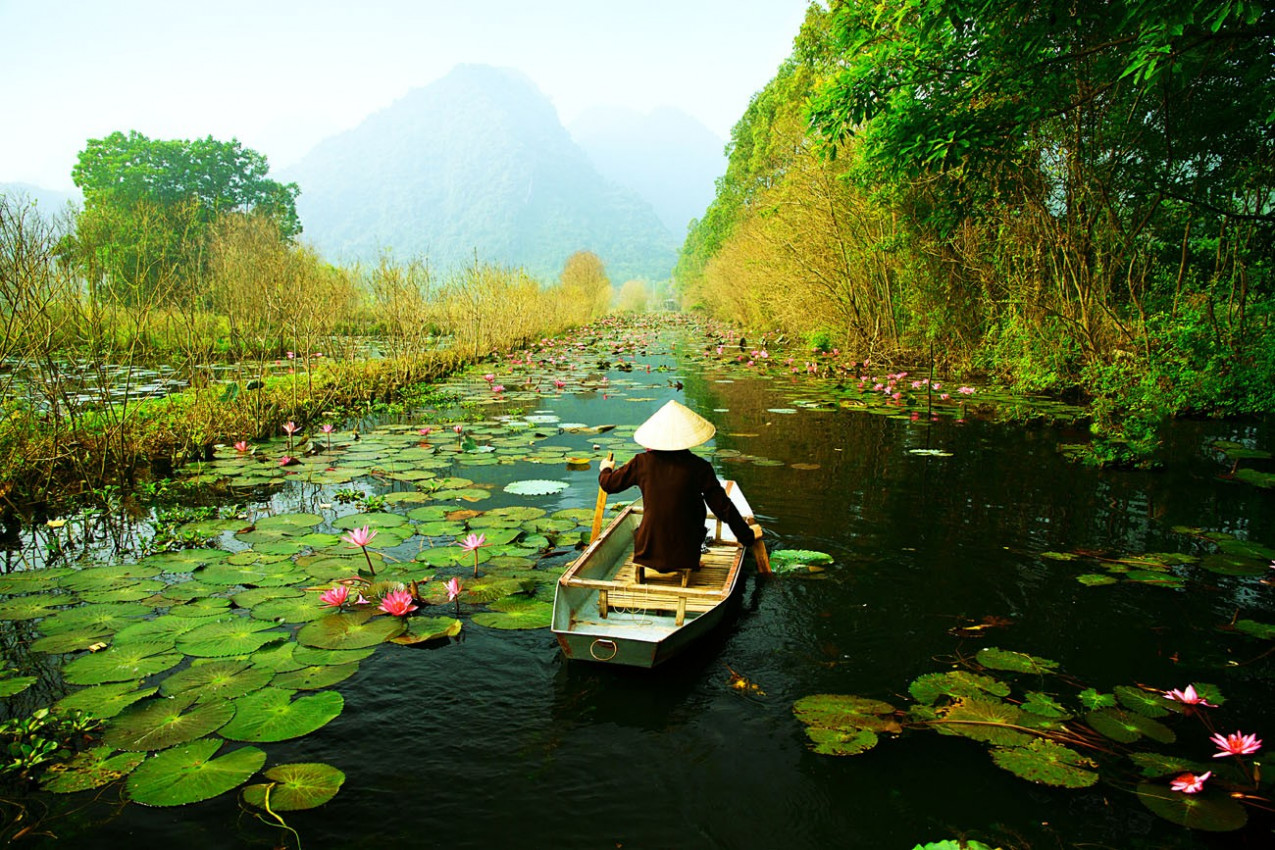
(335, 597)
(473, 543)
(1188, 696)
(453, 588)
(1236, 744)
(1190, 783)
(360, 537)
(398, 603)
(558, 383)
(498, 388)
(489, 377)
(290, 427)
(965, 390)
(242, 446)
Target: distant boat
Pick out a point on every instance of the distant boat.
(602, 613)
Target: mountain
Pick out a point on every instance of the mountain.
(50, 202)
(476, 162)
(668, 157)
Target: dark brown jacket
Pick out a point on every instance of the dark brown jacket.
(675, 486)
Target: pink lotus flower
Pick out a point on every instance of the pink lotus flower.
(360, 537)
(290, 427)
(426, 431)
(1188, 696)
(1236, 744)
(335, 597)
(285, 460)
(945, 396)
(965, 390)
(453, 588)
(489, 377)
(242, 446)
(1189, 783)
(498, 388)
(398, 603)
(559, 383)
(473, 543)
(458, 429)
(326, 428)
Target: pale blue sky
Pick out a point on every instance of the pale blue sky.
(281, 76)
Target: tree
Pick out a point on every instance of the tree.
(586, 289)
(149, 205)
(634, 297)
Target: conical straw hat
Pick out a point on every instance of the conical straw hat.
(674, 426)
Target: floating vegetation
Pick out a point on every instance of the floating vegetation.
(1037, 737)
(798, 561)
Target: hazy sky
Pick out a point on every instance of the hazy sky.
(281, 76)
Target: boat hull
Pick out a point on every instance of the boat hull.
(603, 615)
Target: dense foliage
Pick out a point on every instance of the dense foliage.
(149, 205)
(1070, 197)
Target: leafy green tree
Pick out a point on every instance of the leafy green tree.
(149, 205)
(585, 287)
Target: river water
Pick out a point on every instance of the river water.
(495, 740)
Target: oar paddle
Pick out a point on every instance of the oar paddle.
(761, 556)
(599, 508)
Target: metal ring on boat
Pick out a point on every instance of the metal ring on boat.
(604, 643)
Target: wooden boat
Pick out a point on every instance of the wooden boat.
(602, 613)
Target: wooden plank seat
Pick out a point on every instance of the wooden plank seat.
(680, 591)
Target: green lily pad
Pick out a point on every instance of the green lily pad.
(1256, 477)
(310, 657)
(289, 524)
(89, 769)
(1047, 762)
(66, 642)
(217, 680)
(1017, 662)
(294, 787)
(235, 636)
(298, 609)
(423, 629)
(189, 773)
(105, 618)
(162, 723)
(1127, 726)
(271, 714)
(16, 685)
(1043, 705)
(1234, 565)
(984, 720)
(516, 613)
(376, 521)
(1157, 764)
(1091, 699)
(257, 595)
(928, 688)
(793, 560)
(350, 630)
(844, 724)
(313, 678)
(1146, 703)
(104, 701)
(1266, 631)
(32, 607)
(122, 663)
(163, 628)
(1211, 810)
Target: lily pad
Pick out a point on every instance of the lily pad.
(535, 487)
(162, 723)
(217, 680)
(352, 630)
(1128, 726)
(794, 560)
(984, 720)
(1211, 811)
(313, 678)
(189, 773)
(510, 613)
(996, 658)
(294, 787)
(122, 663)
(956, 683)
(90, 769)
(423, 629)
(271, 714)
(1047, 762)
(235, 636)
(32, 607)
(104, 701)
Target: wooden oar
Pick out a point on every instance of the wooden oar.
(761, 556)
(599, 508)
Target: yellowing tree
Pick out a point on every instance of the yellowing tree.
(585, 287)
(635, 296)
